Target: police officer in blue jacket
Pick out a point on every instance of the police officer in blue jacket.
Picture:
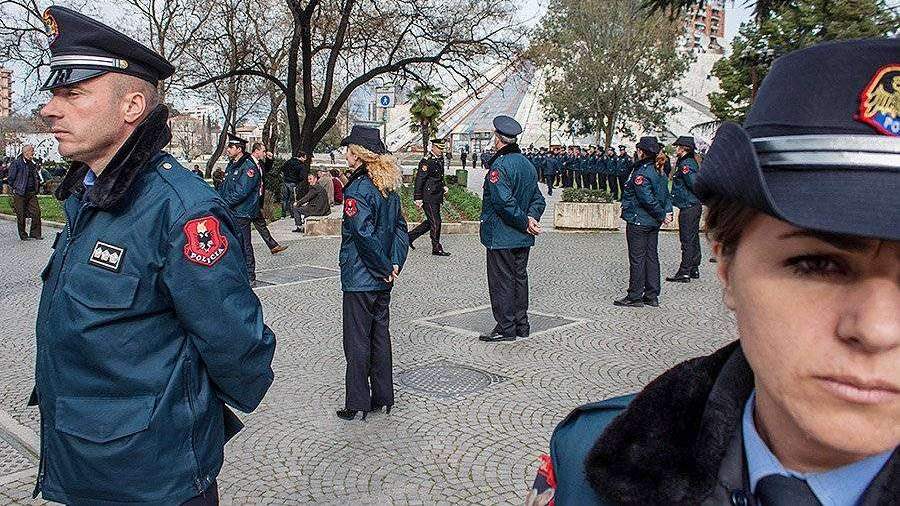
(803, 408)
(374, 245)
(147, 327)
(551, 168)
(645, 207)
(510, 220)
(241, 192)
(686, 201)
(624, 164)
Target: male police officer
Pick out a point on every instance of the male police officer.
(241, 192)
(147, 326)
(429, 195)
(510, 220)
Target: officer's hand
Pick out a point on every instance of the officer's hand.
(534, 227)
(535, 499)
(446, 190)
(419, 203)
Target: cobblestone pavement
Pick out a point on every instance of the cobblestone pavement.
(471, 418)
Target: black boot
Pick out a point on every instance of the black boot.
(679, 278)
(695, 273)
(650, 301)
(626, 302)
(350, 414)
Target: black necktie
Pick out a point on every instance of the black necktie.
(777, 490)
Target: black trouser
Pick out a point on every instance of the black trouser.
(643, 261)
(263, 228)
(27, 206)
(243, 225)
(613, 182)
(507, 273)
(367, 348)
(689, 234)
(209, 497)
(432, 224)
(550, 180)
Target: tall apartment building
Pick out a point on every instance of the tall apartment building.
(705, 28)
(5, 92)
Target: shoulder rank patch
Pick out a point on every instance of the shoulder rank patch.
(106, 256)
(494, 176)
(205, 243)
(639, 180)
(251, 172)
(685, 170)
(879, 102)
(350, 208)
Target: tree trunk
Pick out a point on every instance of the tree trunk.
(425, 128)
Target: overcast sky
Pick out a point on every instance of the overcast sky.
(530, 14)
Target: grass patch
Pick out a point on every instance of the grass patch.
(51, 209)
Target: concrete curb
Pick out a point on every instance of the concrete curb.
(23, 435)
(44, 223)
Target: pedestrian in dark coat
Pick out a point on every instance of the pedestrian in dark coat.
(24, 181)
(510, 220)
(803, 409)
(147, 328)
(374, 245)
(429, 193)
(683, 197)
(646, 205)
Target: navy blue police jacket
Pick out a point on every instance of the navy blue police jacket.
(511, 196)
(552, 165)
(683, 178)
(374, 235)
(147, 328)
(241, 189)
(646, 199)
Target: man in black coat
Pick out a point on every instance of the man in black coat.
(24, 183)
(429, 194)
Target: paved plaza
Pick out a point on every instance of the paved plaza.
(471, 418)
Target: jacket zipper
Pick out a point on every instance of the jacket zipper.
(42, 459)
(190, 396)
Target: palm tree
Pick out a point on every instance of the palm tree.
(427, 104)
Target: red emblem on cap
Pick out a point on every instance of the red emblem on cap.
(685, 170)
(639, 180)
(205, 243)
(250, 172)
(495, 176)
(350, 208)
(879, 102)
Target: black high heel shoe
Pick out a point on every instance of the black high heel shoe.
(387, 409)
(350, 414)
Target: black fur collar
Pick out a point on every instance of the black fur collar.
(114, 183)
(505, 150)
(694, 408)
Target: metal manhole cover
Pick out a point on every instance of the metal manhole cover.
(295, 274)
(482, 319)
(444, 379)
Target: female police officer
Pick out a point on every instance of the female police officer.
(374, 244)
(686, 201)
(645, 206)
(805, 407)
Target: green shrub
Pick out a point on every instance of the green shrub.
(466, 203)
(51, 209)
(586, 196)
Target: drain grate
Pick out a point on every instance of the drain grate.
(447, 380)
(482, 320)
(294, 274)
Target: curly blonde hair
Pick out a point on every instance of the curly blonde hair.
(383, 169)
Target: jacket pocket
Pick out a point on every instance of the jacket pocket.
(99, 289)
(103, 419)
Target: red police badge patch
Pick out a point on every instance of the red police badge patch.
(879, 102)
(495, 176)
(685, 170)
(639, 180)
(250, 172)
(205, 243)
(350, 208)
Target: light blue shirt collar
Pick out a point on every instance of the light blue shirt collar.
(89, 179)
(843, 486)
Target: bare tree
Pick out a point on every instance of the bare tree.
(170, 26)
(369, 39)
